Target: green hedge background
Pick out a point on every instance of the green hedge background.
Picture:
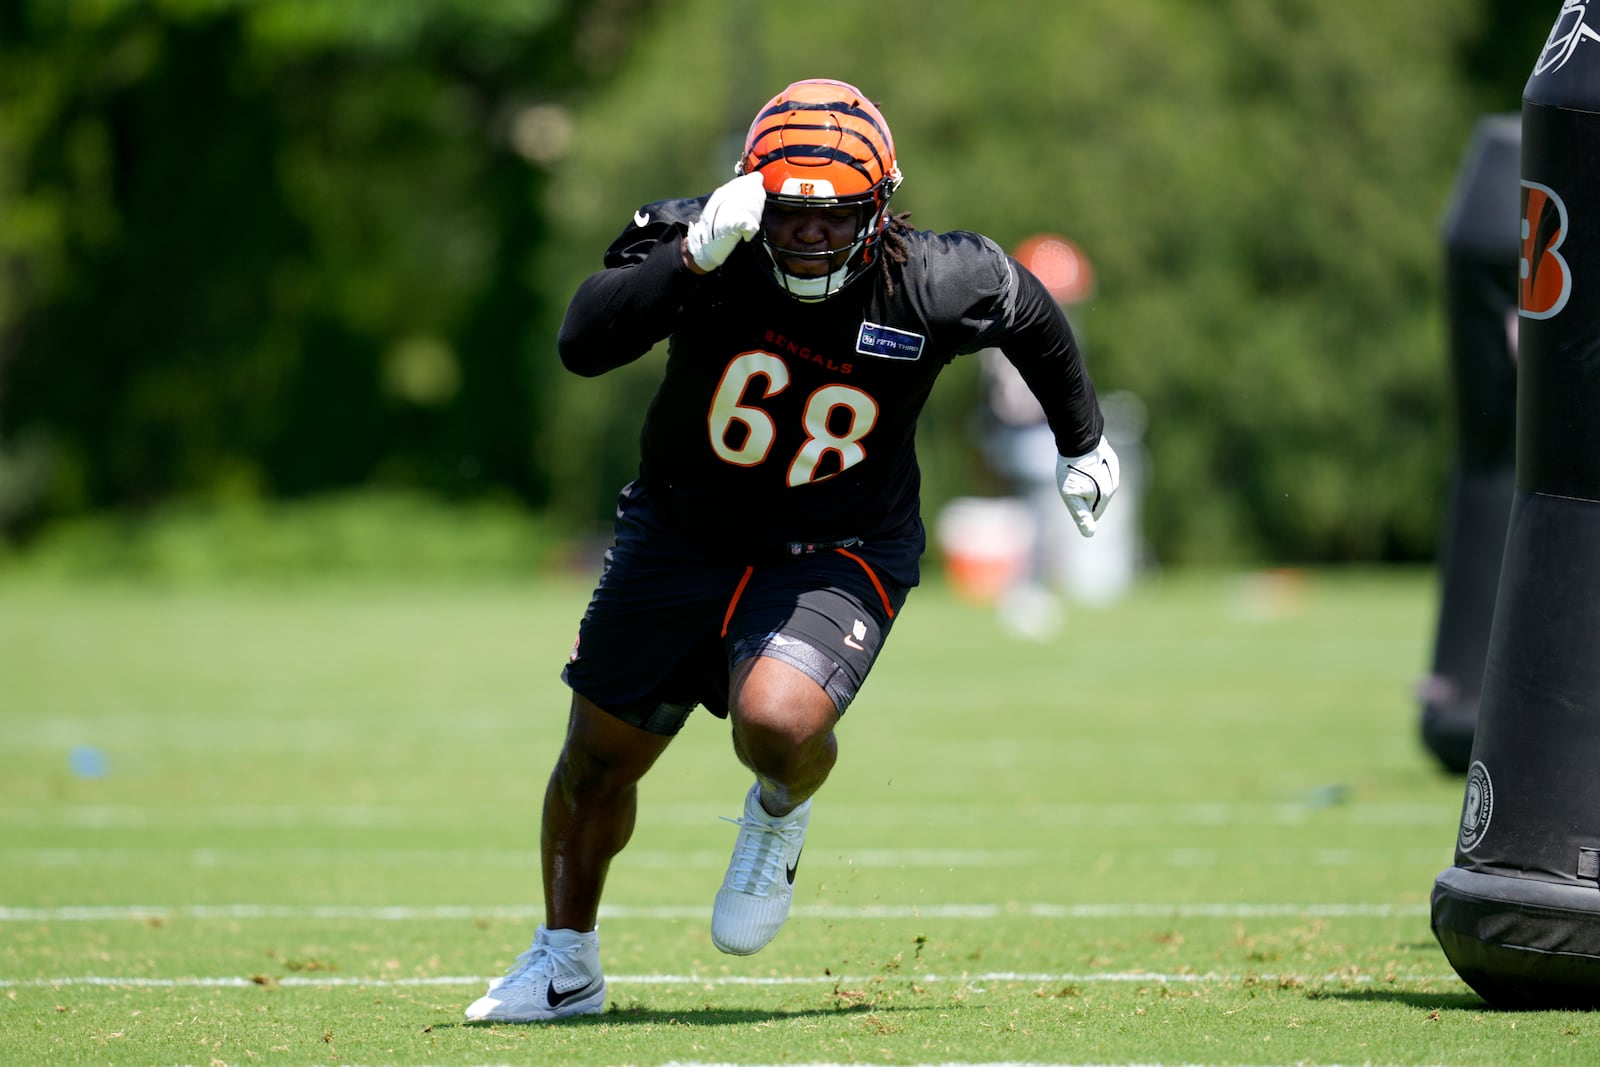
(279, 252)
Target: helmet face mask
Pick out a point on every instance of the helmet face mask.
(816, 268)
(821, 145)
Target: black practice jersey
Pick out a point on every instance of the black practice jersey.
(778, 420)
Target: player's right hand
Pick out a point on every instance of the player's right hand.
(733, 214)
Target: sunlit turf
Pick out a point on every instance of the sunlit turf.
(298, 825)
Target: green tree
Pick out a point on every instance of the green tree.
(277, 247)
(266, 248)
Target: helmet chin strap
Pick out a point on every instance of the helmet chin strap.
(812, 290)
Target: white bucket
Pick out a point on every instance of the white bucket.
(985, 544)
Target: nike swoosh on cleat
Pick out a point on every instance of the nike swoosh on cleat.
(557, 999)
(789, 871)
(641, 218)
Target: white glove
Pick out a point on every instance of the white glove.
(733, 214)
(1087, 482)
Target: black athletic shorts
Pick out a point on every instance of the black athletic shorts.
(671, 617)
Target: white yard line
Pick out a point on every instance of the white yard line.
(708, 859)
(1177, 812)
(975, 982)
(525, 912)
(1010, 1063)
(965, 1063)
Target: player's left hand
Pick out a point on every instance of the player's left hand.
(1087, 482)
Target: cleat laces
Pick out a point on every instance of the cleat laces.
(515, 970)
(758, 855)
(547, 962)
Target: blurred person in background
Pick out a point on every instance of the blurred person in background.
(773, 533)
(1020, 447)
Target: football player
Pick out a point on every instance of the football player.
(768, 543)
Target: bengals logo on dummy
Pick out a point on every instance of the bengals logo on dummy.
(1545, 276)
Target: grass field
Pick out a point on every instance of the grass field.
(297, 825)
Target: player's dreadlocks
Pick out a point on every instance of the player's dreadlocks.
(894, 247)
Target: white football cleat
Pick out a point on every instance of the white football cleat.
(558, 976)
(759, 886)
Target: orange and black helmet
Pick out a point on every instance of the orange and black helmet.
(821, 143)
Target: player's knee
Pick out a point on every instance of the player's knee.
(585, 767)
(763, 723)
(582, 772)
(602, 754)
(579, 771)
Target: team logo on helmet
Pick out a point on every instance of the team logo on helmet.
(1545, 276)
(1569, 31)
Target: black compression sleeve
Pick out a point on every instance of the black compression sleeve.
(1041, 346)
(618, 314)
